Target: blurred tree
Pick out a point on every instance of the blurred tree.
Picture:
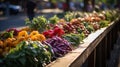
(103, 1)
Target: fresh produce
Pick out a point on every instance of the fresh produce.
(69, 16)
(6, 35)
(22, 34)
(54, 19)
(9, 33)
(40, 23)
(59, 45)
(89, 27)
(28, 53)
(1, 43)
(109, 16)
(27, 46)
(74, 39)
(55, 32)
(58, 31)
(69, 28)
(96, 26)
(103, 23)
(33, 33)
(15, 31)
(35, 36)
(11, 42)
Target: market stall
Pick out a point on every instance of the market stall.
(75, 40)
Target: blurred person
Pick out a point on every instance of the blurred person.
(102, 5)
(30, 6)
(72, 6)
(48, 4)
(89, 7)
(65, 6)
(59, 5)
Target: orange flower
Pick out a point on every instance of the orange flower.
(41, 37)
(22, 34)
(16, 42)
(9, 41)
(1, 51)
(1, 43)
(33, 38)
(34, 33)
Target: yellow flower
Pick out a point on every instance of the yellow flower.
(38, 37)
(34, 33)
(22, 34)
(9, 41)
(33, 38)
(1, 43)
(41, 37)
(16, 42)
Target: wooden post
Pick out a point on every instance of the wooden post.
(103, 49)
(108, 44)
(92, 59)
(99, 56)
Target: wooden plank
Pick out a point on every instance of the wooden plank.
(92, 59)
(99, 56)
(103, 47)
(108, 45)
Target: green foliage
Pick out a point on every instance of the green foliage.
(6, 35)
(69, 16)
(111, 15)
(39, 23)
(74, 39)
(89, 27)
(54, 19)
(28, 53)
(104, 23)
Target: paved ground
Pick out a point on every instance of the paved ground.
(18, 20)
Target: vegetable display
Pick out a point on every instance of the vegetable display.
(60, 46)
(74, 39)
(39, 23)
(28, 53)
(43, 41)
(55, 32)
(8, 41)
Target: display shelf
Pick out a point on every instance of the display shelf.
(78, 56)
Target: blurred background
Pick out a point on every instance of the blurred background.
(16, 6)
(14, 12)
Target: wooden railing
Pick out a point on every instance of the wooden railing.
(95, 50)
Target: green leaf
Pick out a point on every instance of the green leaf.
(74, 39)
(32, 53)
